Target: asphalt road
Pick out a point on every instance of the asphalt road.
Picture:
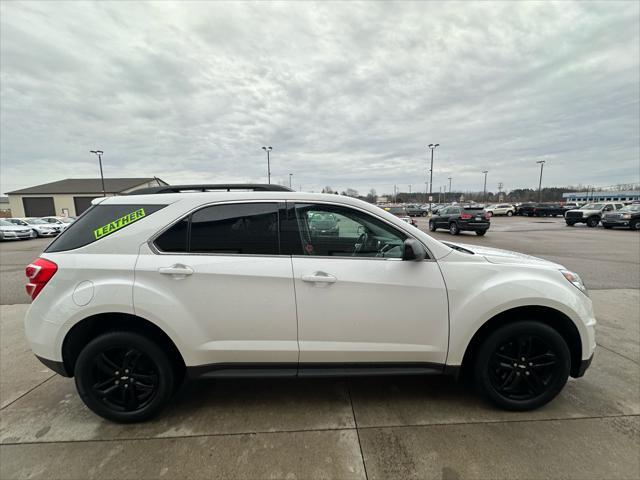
(604, 258)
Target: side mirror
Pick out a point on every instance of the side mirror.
(414, 250)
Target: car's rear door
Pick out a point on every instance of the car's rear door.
(361, 303)
(218, 281)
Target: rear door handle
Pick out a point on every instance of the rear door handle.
(319, 277)
(178, 270)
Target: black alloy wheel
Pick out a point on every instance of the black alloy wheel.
(523, 365)
(124, 377)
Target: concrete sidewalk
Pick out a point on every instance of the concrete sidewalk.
(405, 427)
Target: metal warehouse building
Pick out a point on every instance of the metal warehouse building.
(605, 196)
(72, 196)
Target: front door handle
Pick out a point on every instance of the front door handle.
(177, 270)
(319, 277)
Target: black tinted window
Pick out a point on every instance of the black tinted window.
(98, 222)
(175, 238)
(246, 228)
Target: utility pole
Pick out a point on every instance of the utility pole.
(500, 185)
(432, 147)
(268, 149)
(99, 153)
(290, 176)
(449, 190)
(484, 195)
(541, 162)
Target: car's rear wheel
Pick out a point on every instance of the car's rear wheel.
(489, 214)
(593, 222)
(124, 377)
(480, 232)
(522, 365)
(432, 226)
(453, 228)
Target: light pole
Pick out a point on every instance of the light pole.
(268, 149)
(290, 177)
(432, 147)
(445, 200)
(99, 154)
(541, 162)
(409, 190)
(484, 195)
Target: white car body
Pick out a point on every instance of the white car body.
(9, 231)
(298, 311)
(500, 209)
(62, 222)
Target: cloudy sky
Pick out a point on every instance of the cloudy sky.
(348, 95)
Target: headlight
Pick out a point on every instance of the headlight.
(575, 280)
(626, 216)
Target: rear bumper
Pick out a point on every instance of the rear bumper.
(474, 226)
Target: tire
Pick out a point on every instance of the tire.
(509, 213)
(607, 226)
(593, 222)
(454, 229)
(570, 224)
(634, 225)
(490, 214)
(103, 362)
(480, 233)
(554, 215)
(522, 385)
(432, 226)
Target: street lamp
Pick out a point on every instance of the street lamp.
(432, 147)
(268, 149)
(541, 162)
(445, 195)
(99, 154)
(290, 176)
(484, 195)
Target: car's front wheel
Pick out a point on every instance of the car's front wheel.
(509, 213)
(522, 365)
(124, 377)
(634, 225)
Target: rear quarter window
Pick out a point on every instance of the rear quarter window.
(98, 222)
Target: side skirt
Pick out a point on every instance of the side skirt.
(260, 370)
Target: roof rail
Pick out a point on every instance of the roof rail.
(212, 187)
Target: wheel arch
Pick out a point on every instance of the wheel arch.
(90, 327)
(547, 315)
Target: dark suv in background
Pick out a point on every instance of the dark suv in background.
(460, 219)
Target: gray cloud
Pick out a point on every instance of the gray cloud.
(349, 95)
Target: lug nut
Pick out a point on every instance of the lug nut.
(117, 382)
(126, 370)
(526, 373)
(117, 372)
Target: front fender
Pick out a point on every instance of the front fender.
(495, 289)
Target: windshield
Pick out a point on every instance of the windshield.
(36, 221)
(16, 221)
(4, 223)
(630, 208)
(592, 206)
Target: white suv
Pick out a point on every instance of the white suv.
(143, 290)
(501, 209)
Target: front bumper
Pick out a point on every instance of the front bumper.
(615, 223)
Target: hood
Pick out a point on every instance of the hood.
(498, 256)
(13, 228)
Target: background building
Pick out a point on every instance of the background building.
(72, 196)
(602, 196)
(5, 210)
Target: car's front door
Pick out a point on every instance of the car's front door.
(358, 301)
(218, 280)
(441, 219)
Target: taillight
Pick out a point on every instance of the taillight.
(39, 273)
(466, 216)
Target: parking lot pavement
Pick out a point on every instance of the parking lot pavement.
(375, 428)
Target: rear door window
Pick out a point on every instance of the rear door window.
(98, 222)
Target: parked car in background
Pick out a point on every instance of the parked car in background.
(416, 211)
(526, 209)
(322, 223)
(10, 231)
(549, 210)
(39, 227)
(402, 213)
(591, 213)
(458, 219)
(62, 222)
(500, 209)
(628, 217)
